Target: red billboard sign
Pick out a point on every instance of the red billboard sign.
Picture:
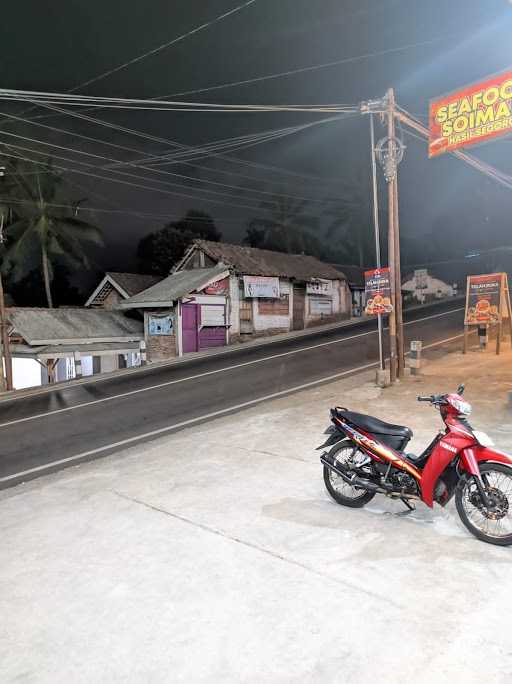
(475, 114)
(378, 291)
(218, 288)
(483, 299)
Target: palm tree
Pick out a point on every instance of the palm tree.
(285, 227)
(44, 228)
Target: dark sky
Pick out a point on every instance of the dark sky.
(56, 45)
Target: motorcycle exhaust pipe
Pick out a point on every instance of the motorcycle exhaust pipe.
(354, 481)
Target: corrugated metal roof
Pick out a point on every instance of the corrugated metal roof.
(133, 283)
(65, 326)
(52, 351)
(264, 262)
(175, 286)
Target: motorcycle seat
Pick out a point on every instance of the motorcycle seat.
(374, 425)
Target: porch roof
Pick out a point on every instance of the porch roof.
(175, 286)
(73, 326)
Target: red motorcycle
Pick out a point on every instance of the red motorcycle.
(368, 457)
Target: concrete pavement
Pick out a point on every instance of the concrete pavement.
(215, 555)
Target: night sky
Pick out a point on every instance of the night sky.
(53, 46)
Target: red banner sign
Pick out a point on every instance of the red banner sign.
(378, 291)
(472, 115)
(218, 288)
(483, 299)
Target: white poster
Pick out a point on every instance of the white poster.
(319, 287)
(213, 315)
(260, 286)
(421, 278)
(320, 306)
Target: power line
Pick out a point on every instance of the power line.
(133, 132)
(129, 175)
(164, 46)
(176, 157)
(123, 182)
(154, 51)
(36, 97)
(151, 169)
(130, 212)
(314, 67)
(234, 160)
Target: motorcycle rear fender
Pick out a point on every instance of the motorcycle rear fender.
(335, 436)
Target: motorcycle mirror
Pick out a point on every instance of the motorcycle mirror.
(460, 389)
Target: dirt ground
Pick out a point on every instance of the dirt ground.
(215, 555)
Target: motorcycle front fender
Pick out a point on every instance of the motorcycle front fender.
(471, 458)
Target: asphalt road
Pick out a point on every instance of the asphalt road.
(46, 432)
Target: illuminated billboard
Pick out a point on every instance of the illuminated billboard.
(475, 114)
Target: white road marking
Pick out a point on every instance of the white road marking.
(206, 416)
(206, 373)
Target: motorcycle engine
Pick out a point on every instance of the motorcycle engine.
(403, 482)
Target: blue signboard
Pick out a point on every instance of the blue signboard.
(161, 325)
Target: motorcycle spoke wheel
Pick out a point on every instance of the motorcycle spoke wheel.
(343, 488)
(493, 524)
(340, 490)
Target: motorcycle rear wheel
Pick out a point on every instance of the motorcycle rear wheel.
(494, 526)
(341, 491)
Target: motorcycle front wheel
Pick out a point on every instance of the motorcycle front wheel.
(340, 490)
(491, 525)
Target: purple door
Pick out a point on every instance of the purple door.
(189, 327)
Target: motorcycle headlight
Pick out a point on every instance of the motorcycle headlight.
(461, 406)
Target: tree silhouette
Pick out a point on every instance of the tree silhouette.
(159, 251)
(286, 225)
(44, 228)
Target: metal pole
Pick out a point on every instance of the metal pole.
(398, 293)
(5, 339)
(391, 242)
(377, 230)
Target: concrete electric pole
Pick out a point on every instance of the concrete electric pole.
(389, 151)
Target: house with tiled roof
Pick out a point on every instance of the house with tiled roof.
(116, 287)
(273, 291)
(52, 345)
(221, 293)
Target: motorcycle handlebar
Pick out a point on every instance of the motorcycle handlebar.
(434, 399)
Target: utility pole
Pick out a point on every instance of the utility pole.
(390, 173)
(377, 230)
(389, 152)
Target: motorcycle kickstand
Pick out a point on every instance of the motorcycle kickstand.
(411, 507)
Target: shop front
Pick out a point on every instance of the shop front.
(186, 312)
